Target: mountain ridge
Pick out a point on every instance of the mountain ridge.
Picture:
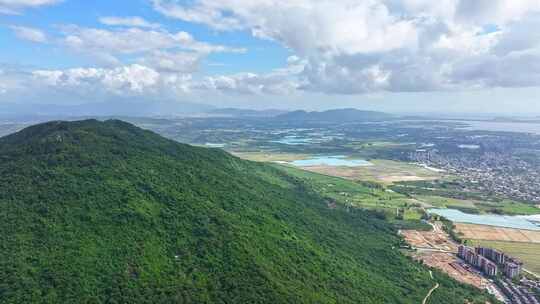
(335, 115)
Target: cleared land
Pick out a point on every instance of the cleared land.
(449, 264)
(427, 244)
(435, 239)
(529, 253)
(491, 233)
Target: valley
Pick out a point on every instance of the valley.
(138, 218)
(366, 172)
(269, 152)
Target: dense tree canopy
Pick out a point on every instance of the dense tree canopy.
(104, 212)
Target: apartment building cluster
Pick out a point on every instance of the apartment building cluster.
(491, 261)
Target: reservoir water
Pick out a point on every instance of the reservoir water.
(521, 127)
(518, 222)
(334, 160)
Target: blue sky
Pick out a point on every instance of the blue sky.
(392, 55)
(262, 57)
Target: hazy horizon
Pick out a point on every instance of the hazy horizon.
(452, 56)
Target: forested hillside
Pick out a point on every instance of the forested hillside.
(105, 212)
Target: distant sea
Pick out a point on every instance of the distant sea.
(522, 127)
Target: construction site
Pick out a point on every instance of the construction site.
(435, 249)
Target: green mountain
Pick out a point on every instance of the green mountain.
(105, 212)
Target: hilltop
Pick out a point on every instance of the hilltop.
(105, 212)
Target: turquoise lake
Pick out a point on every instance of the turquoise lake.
(335, 160)
(519, 222)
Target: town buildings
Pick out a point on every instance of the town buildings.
(471, 256)
(491, 261)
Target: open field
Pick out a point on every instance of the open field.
(270, 157)
(508, 207)
(491, 233)
(389, 171)
(445, 202)
(529, 253)
(448, 192)
(383, 171)
(403, 212)
(347, 191)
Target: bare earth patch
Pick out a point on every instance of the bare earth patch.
(428, 243)
(449, 264)
(436, 239)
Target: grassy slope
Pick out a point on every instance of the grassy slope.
(108, 213)
(364, 195)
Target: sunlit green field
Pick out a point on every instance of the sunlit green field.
(400, 210)
(270, 156)
(505, 206)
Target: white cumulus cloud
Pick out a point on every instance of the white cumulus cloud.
(129, 22)
(29, 34)
(108, 44)
(126, 79)
(363, 46)
(16, 6)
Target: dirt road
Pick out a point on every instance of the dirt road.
(431, 290)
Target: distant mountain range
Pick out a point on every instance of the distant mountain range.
(234, 112)
(120, 108)
(127, 108)
(337, 115)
